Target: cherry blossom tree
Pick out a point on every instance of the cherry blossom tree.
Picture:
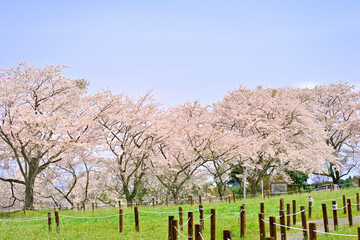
(129, 134)
(337, 108)
(42, 117)
(176, 159)
(275, 131)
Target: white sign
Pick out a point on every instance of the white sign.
(278, 188)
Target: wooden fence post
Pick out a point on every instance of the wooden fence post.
(181, 218)
(174, 231)
(212, 225)
(227, 235)
(201, 216)
(57, 220)
(272, 227)
(357, 202)
(24, 210)
(262, 226)
(349, 212)
(303, 221)
(344, 203)
(312, 233)
(119, 202)
(83, 205)
(288, 216)
(294, 211)
(335, 217)
(170, 229)
(242, 221)
(325, 217)
(49, 221)
(137, 227)
(281, 204)
(229, 198)
(234, 197)
(198, 232)
(190, 226)
(121, 220)
(92, 207)
(358, 230)
(282, 222)
(153, 201)
(262, 207)
(310, 200)
(200, 200)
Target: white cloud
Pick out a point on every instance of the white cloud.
(307, 84)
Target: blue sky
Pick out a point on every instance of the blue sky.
(186, 50)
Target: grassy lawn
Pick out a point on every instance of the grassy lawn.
(155, 225)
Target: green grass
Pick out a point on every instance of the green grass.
(155, 226)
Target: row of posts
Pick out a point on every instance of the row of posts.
(286, 225)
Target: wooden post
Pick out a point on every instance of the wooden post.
(234, 197)
(262, 207)
(121, 220)
(181, 218)
(262, 226)
(272, 227)
(303, 221)
(288, 217)
(325, 217)
(24, 210)
(229, 199)
(153, 201)
(335, 217)
(269, 238)
(310, 208)
(344, 203)
(244, 206)
(198, 232)
(349, 212)
(136, 212)
(49, 221)
(312, 233)
(201, 215)
(83, 206)
(294, 211)
(92, 207)
(176, 202)
(212, 225)
(200, 200)
(242, 221)
(282, 222)
(170, 229)
(357, 202)
(190, 226)
(174, 232)
(358, 230)
(281, 204)
(119, 202)
(57, 220)
(227, 235)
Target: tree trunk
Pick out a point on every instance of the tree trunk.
(29, 193)
(221, 189)
(253, 187)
